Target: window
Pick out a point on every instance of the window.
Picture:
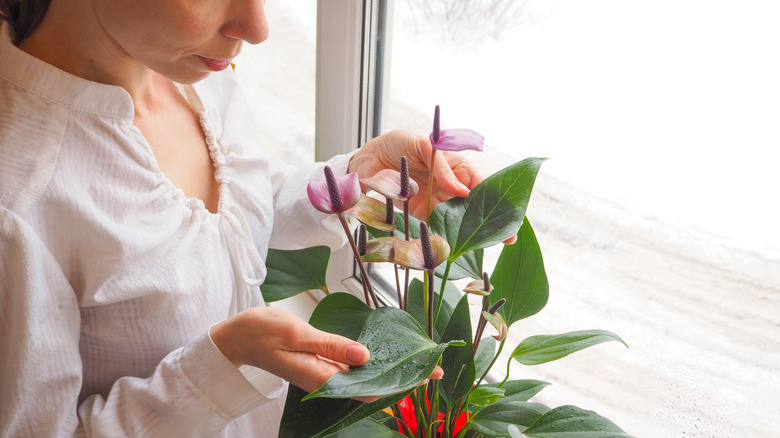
(278, 78)
(656, 212)
(653, 212)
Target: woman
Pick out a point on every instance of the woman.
(136, 207)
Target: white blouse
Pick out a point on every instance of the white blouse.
(111, 277)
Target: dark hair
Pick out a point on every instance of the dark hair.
(23, 16)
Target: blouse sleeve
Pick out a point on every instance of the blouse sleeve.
(41, 370)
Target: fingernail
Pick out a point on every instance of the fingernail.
(461, 185)
(357, 354)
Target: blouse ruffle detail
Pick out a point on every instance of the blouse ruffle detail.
(248, 266)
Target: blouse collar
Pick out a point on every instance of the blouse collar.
(28, 72)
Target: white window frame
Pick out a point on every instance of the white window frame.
(347, 99)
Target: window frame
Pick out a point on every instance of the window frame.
(353, 49)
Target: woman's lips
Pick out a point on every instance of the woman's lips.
(216, 64)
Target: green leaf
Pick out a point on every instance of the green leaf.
(291, 272)
(494, 419)
(469, 265)
(367, 428)
(343, 314)
(485, 354)
(402, 356)
(573, 422)
(457, 362)
(492, 213)
(322, 416)
(340, 313)
(519, 390)
(540, 349)
(519, 277)
(485, 396)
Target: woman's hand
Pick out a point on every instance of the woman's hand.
(282, 344)
(452, 176)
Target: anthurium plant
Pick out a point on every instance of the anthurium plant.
(427, 321)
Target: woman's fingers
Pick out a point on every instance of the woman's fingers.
(281, 343)
(333, 347)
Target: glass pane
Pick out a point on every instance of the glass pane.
(657, 212)
(278, 79)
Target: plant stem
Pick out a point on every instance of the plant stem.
(441, 292)
(406, 270)
(397, 282)
(419, 407)
(434, 408)
(447, 422)
(430, 186)
(431, 298)
(398, 287)
(465, 429)
(427, 305)
(481, 324)
(368, 290)
(456, 413)
(476, 385)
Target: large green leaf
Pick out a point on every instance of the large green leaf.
(519, 277)
(367, 428)
(486, 351)
(540, 349)
(492, 213)
(291, 272)
(340, 313)
(345, 315)
(519, 390)
(457, 362)
(402, 356)
(494, 419)
(322, 416)
(573, 422)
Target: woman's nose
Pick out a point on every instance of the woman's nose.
(248, 22)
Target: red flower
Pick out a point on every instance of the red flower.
(409, 417)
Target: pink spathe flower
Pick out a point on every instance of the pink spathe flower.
(454, 139)
(379, 250)
(372, 212)
(497, 321)
(424, 254)
(477, 287)
(334, 194)
(388, 182)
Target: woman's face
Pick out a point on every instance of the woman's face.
(184, 40)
